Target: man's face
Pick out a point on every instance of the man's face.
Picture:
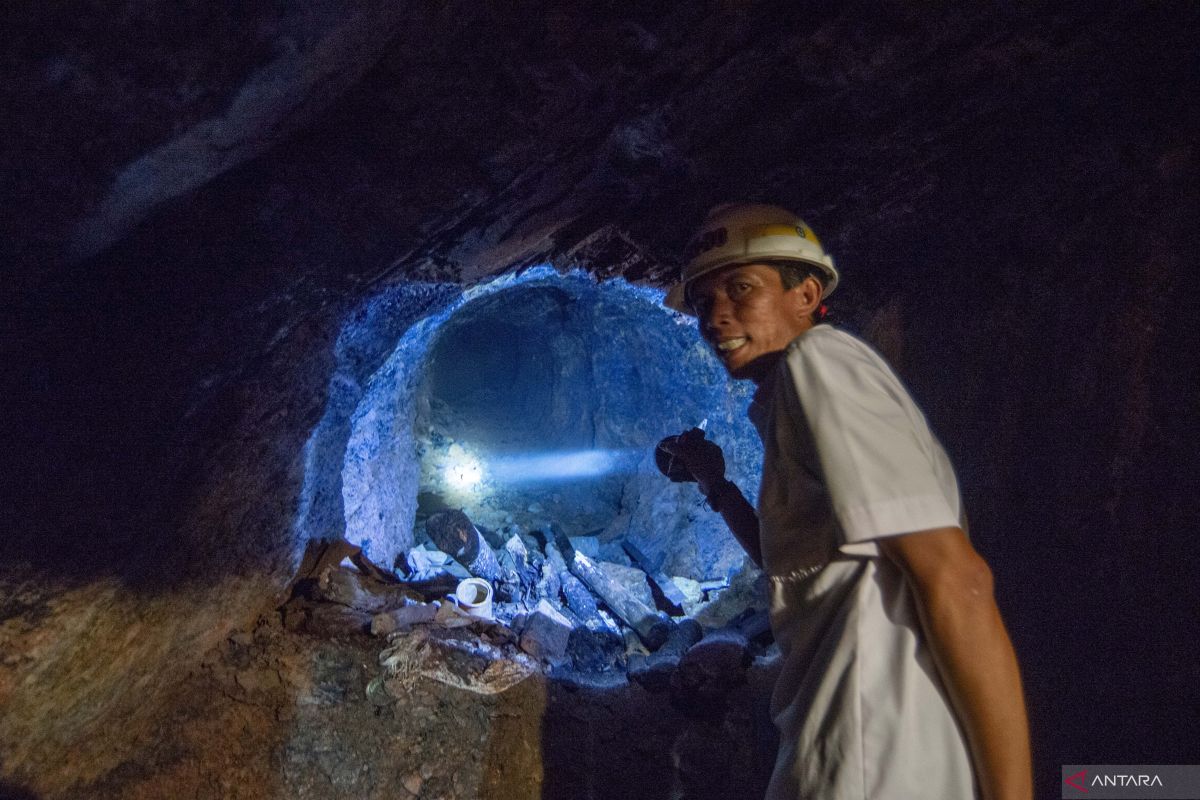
(747, 316)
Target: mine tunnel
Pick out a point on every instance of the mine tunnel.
(537, 402)
(334, 358)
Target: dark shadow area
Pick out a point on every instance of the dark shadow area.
(9, 791)
(627, 743)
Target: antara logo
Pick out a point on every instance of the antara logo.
(1125, 780)
(1077, 780)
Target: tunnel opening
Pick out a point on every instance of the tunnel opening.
(526, 411)
(538, 399)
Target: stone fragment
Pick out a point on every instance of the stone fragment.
(755, 625)
(631, 607)
(412, 783)
(588, 545)
(632, 579)
(745, 589)
(686, 634)
(614, 553)
(415, 614)
(653, 672)
(383, 624)
(547, 632)
(402, 618)
(449, 615)
(553, 569)
(669, 597)
(633, 642)
(712, 666)
(358, 591)
(581, 601)
(693, 595)
(595, 650)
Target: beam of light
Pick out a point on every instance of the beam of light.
(562, 465)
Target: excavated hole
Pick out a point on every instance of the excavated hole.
(533, 405)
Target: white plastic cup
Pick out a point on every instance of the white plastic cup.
(474, 596)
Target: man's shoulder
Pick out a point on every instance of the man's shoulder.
(825, 340)
(829, 359)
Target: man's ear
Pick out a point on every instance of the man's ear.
(806, 297)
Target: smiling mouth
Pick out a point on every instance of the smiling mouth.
(729, 345)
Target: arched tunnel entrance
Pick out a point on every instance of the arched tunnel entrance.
(535, 402)
(532, 404)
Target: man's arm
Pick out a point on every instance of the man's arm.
(705, 461)
(739, 515)
(952, 586)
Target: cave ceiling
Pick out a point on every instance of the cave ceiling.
(457, 139)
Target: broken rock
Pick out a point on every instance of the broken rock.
(547, 632)
(667, 595)
(581, 602)
(403, 618)
(653, 671)
(595, 650)
(632, 579)
(712, 666)
(626, 601)
(449, 615)
(685, 635)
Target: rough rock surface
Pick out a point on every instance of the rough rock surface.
(1011, 192)
(268, 714)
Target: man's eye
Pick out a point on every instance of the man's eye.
(741, 287)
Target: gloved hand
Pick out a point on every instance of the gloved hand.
(691, 457)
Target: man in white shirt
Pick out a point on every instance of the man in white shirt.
(898, 677)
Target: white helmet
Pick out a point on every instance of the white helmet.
(747, 233)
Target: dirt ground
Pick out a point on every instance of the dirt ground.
(278, 714)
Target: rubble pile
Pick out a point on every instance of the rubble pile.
(483, 612)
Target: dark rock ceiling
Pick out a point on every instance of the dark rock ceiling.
(462, 138)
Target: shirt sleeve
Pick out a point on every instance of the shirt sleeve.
(885, 472)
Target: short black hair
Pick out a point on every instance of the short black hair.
(793, 273)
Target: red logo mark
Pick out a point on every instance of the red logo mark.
(1080, 776)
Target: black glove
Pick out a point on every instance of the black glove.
(691, 457)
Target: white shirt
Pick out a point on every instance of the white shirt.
(848, 459)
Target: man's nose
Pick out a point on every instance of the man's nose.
(719, 312)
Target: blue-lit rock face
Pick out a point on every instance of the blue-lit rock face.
(532, 403)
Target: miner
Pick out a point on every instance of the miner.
(898, 678)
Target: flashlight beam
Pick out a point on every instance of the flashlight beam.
(562, 465)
